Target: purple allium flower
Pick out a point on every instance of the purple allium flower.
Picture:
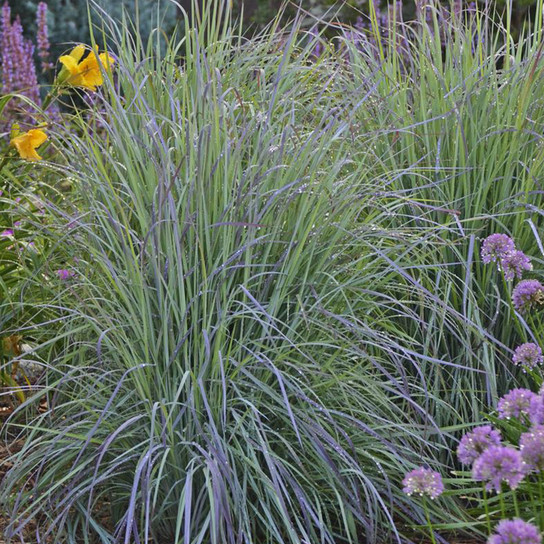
(536, 409)
(516, 403)
(64, 274)
(496, 247)
(6, 233)
(531, 445)
(473, 444)
(515, 531)
(514, 264)
(527, 295)
(528, 355)
(499, 464)
(423, 481)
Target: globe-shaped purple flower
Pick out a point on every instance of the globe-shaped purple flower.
(496, 247)
(528, 295)
(528, 355)
(536, 409)
(516, 403)
(515, 531)
(531, 445)
(499, 464)
(514, 264)
(423, 481)
(474, 443)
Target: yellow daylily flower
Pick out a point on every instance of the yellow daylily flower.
(84, 73)
(27, 142)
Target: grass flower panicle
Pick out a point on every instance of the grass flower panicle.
(515, 531)
(531, 445)
(528, 295)
(474, 443)
(499, 464)
(515, 404)
(423, 481)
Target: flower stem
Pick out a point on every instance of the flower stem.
(540, 514)
(501, 501)
(520, 329)
(516, 505)
(486, 507)
(428, 517)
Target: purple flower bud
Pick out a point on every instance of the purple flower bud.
(527, 295)
(515, 531)
(499, 464)
(474, 443)
(6, 233)
(528, 355)
(423, 481)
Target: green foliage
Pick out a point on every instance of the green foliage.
(228, 360)
(278, 305)
(463, 144)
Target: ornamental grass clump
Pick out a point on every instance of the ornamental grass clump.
(460, 145)
(269, 301)
(228, 366)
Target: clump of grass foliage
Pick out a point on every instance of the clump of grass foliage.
(278, 307)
